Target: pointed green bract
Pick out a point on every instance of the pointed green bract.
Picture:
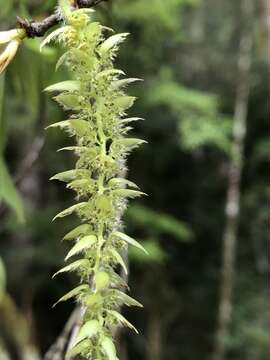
(118, 259)
(83, 244)
(77, 291)
(68, 85)
(129, 240)
(110, 72)
(128, 193)
(123, 298)
(70, 210)
(53, 35)
(76, 149)
(80, 348)
(61, 60)
(79, 230)
(122, 183)
(118, 84)
(111, 43)
(128, 120)
(121, 319)
(129, 143)
(65, 176)
(76, 265)
(124, 102)
(89, 329)
(68, 101)
(109, 348)
(97, 106)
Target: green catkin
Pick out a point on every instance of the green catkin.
(97, 103)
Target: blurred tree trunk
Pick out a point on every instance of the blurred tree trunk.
(154, 343)
(121, 343)
(15, 333)
(266, 12)
(234, 181)
(3, 352)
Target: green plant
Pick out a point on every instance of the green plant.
(200, 122)
(8, 192)
(98, 104)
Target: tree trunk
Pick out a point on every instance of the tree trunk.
(266, 12)
(154, 343)
(234, 179)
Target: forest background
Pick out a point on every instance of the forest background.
(205, 98)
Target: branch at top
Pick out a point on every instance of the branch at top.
(88, 3)
(39, 28)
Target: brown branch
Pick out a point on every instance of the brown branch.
(58, 350)
(88, 3)
(30, 159)
(26, 166)
(39, 28)
(76, 328)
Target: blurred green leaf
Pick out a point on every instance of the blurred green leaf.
(2, 122)
(155, 252)
(159, 222)
(128, 240)
(8, 192)
(200, 122)
(165, 14)
(48, 53)
(261, 150)
(205, 130)
(6, 7)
